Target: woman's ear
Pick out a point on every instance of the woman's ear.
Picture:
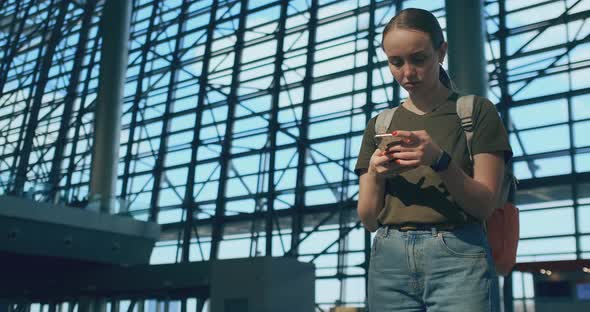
(442, 52)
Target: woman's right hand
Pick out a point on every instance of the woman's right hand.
(382, 165)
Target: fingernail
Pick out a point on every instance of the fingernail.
(398, 161)
(394, 133)
(408, 140)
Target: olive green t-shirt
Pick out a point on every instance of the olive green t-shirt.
(419, 195)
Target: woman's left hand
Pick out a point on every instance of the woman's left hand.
(417, 149)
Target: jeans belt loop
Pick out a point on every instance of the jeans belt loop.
(434, 231)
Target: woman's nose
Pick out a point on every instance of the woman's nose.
(409, 70)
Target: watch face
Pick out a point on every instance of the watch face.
(443, 162)
(446, 160)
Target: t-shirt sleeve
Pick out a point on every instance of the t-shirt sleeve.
(489, 134)
(368, 147)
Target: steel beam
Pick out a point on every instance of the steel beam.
(71, 95)
(189, 201)
(302, 143)
(79, 123)
(274, 126)
(169, 105)
(33, 119)
(135, 109)
(11, 48)
(232, 102)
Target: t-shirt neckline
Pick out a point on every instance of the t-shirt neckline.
(452, 97)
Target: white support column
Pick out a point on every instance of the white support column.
(107, 122)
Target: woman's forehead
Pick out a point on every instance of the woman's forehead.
(401, 42)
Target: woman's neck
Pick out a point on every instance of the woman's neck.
(427, 102)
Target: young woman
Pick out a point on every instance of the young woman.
(426, 198)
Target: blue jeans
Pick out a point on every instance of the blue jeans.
(431, 270)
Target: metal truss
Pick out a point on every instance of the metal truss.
(242, 119)
(40, 95)
(545, 56)
(169, 302)
(556, 58)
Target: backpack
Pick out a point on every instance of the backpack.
(502, 227)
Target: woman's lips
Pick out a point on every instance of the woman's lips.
(412, 84)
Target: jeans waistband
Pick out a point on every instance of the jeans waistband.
(434, 228)
(424, 226)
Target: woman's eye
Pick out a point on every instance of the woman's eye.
(396, 63)
(419, 60)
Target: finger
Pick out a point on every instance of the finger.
(379, 153)
(409, 138)
(380, 160)
(389, 166)
(407, 162)
(403, 134)
(406, 155)
(400, 148)
(394, 166)
(384, 153)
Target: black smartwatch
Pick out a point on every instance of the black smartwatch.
(442, 163)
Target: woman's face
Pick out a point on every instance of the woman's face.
(413, 61)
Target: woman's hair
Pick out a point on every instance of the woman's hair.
(424, 21)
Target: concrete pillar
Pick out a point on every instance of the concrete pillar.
(107, 124)
(466, 37)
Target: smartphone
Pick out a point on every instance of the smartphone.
(387, 140)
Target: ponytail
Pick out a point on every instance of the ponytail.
(444, 78)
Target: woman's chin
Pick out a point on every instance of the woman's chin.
(411, 89)
(418, 88)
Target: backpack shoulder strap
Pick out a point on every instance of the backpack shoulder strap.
(384, 119)
(465, 111)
